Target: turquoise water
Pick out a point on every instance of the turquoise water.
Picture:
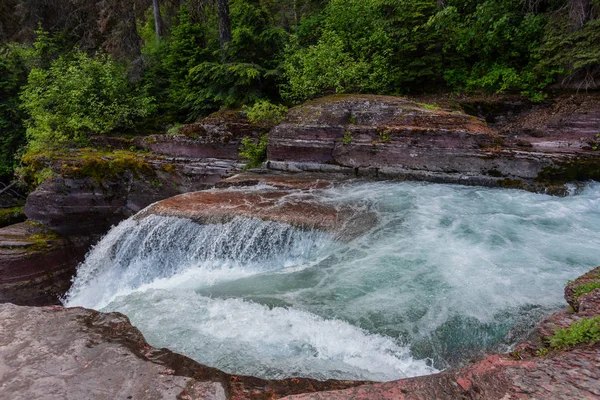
(446, 272)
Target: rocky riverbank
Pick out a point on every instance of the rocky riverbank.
(83, 192)
(59, 353)
(496, 142)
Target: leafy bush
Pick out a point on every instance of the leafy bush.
(585, 331)
(254, 152)
(492, 45)
(571, 53)
(265, 112)
(78, 96)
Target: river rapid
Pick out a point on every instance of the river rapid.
(445, 272)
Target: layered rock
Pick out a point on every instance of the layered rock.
(93, 190)
(36, 264)
(56, 353)
(393, 138)
(291, 201)
(217, 136)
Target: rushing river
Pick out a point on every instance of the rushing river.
(447, 271)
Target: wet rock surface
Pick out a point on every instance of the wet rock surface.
(523, 374)
(36, 264)
(289, 200)
(57, 353)
(217, 136)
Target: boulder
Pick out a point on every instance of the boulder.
(293, 201)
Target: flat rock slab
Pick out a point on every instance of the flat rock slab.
(299, 208)
(305, 181)
(53, 353)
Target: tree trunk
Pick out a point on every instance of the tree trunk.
(158, 23)
(441, 3)
(579, 13)
(224, 22)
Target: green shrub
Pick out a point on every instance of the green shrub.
(254, 152)
(585, 331)
(78, 96)
(9, 216)
(265, 112)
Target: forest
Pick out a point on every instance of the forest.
(70, 69)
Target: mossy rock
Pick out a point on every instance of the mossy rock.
(577, 170)
(10, 216)
(100, 165)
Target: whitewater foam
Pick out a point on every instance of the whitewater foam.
(448, 271)
(248, 338)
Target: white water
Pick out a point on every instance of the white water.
(446, 271)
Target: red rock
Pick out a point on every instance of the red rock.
(74, 204)
(298, 208)
(394, 138)
(217, 136)
(36, 265)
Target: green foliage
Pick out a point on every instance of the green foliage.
(203, 78)
(12, 215)
(347, 138)
(385, 136)
(78, 96)
(572, 53)
(254, 152)
(387, 49)
(265, 112)
(586, 330)
(492, 46)
(542, 352)
(12, 76)
(585, 287)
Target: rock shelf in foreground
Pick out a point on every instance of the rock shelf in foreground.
(58, 353)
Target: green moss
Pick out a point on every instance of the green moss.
(495, 173)
(12, 215)
(585, 287)
(82, 163)
(168, 167)
(582, 169)
(385, 136)
(430, 106)
(542, 352)
(584, 331)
